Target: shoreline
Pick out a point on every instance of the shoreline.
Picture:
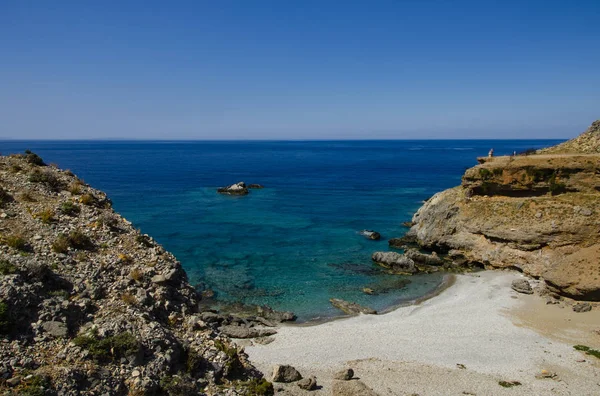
(447, 282)
(475, 323)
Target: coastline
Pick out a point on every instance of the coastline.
(447, 282)
(478, 323)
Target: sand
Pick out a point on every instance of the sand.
(479, 322)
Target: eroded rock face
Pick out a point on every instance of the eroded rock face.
(537, 213)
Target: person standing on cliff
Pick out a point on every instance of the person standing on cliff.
(491, 153)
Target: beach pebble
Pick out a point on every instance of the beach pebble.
(285, 373)
(344, 375)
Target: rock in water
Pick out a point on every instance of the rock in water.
(395, 261)
(309, 383)
(255, 186)
(285, 373)
(351, 308)
(344, 375)
(370, 234)
(422, 258)
(351, 388)
(234, 189)
(521, 286)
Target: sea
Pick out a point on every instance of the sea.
(294, 244)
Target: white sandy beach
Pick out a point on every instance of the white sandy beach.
(479, 322)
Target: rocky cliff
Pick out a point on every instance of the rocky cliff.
(537, 213)
(587, 142)
(89, 305)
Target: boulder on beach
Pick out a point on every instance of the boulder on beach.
(285, 373)
(351, 308)
(344, 374)
(521, 286)
(234, 189)
(308, 384)
(370, 234)
(395, 261)
(351, 388)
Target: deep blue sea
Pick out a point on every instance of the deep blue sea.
(294, 244)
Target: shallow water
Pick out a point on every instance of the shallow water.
(294, 244)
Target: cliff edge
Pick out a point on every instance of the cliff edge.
(89, 305)
(536, 213)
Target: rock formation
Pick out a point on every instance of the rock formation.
(234, 189)
(588, 142)
(89, 305)
(537, 213)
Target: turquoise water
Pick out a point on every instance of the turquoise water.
(294, 244)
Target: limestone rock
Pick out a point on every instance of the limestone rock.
(308, 384)
(395, 261)
(344, 375)
(370, 234)
(55, 329)
(510, 212)
(234, 189)
(351, 388)
(285, 373)
(521, 286)
(582, 307)
(245, 332)
(351, 308)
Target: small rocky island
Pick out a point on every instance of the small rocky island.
(89, 305)
(239, 188)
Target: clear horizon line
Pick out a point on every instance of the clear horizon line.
(256, 140)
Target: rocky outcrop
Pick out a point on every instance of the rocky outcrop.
(89, 305)
(234, 189)
(370, 234)
(351, 308)
(396, 262)
(588, 142)
(536, 213)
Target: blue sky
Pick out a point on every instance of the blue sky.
(298, 69)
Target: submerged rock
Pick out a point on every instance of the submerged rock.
(285, 373)
(395, 261)
(521, 286)
(234, 189)
(351, 308)
(255, 186)
(370, 234)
